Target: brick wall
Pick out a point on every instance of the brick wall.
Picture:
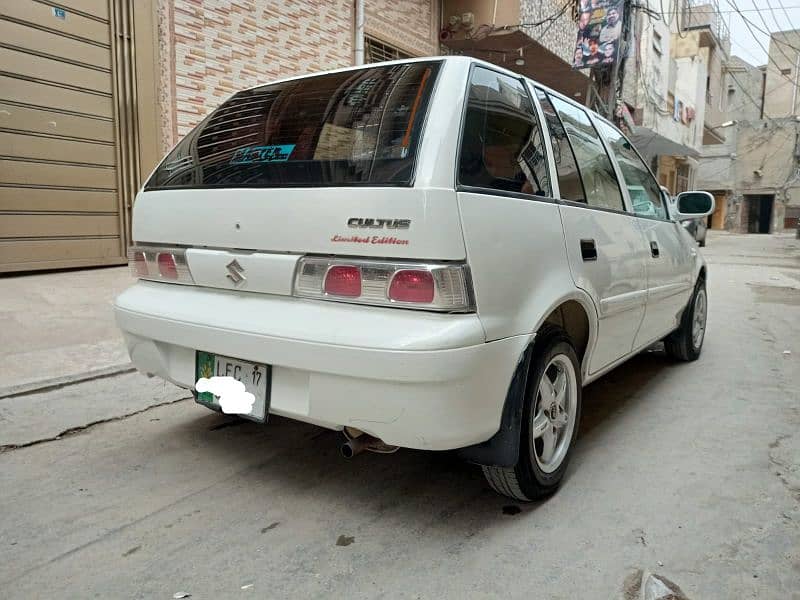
(411, 25)
(211, 48)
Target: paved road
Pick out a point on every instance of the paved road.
(690, 471)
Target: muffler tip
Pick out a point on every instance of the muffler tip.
(347, 450)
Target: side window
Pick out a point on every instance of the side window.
(645, 192)
(569, 179)
(597, 171)
(502, 146)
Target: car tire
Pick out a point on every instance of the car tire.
(702, 243)
(550, 417)
(686, 342)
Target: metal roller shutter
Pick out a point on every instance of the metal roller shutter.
(64, 176)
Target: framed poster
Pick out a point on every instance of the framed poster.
(599, 33)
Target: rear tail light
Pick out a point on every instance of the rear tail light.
(160, 264)
(166, 265)
(138, 264)
(430, 286)
(412, 286)
(343, 280)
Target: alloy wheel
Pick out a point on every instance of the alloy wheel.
(554, 414)
(699, 319)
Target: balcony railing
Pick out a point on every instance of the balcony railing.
(705, 13)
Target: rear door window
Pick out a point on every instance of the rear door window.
(502, 146)
(357, 127)
(569, 179)
(646, 196)
(596, 168)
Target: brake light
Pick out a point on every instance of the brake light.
(412, 286)
(167, 266)
(160, 264)
(444, 287)
(343, 280)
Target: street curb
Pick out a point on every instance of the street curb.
(45, 385)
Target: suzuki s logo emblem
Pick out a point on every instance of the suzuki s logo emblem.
(235, 272)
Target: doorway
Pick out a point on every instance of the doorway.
(759, 213)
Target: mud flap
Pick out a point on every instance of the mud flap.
(502, 449)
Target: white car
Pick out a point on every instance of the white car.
(433, 253)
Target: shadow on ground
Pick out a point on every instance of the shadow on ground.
(302, 459)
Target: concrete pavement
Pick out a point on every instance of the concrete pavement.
(57, 326)
(686, 470)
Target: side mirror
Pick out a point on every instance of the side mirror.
(693, 205)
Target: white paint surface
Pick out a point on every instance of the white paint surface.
(234, 399)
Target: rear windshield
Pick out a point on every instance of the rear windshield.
(352, 128)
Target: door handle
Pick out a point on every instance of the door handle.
(588, 250)
(654, 249)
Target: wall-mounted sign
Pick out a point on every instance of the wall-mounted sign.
(599, 33)
(59, 13)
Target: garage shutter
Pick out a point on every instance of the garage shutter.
(62, 172)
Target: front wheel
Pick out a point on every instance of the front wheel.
(686, 342)
(551, 415)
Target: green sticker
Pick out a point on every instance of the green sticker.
(204, 368)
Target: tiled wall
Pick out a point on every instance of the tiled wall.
(558, 35)
(411, 25)
(211, 48)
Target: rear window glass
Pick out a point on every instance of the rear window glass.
(357, 127)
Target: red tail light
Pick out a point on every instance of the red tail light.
(167, 266)
(140, 264)
(441, 287)
(412, 286)
(343, 280)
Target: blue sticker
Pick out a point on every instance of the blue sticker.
(59, 13)
(262, 154)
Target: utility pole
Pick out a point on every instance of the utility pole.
(614, 77)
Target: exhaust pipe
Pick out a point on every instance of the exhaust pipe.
(355, 446)
(358, 441)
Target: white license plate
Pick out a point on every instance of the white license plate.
(255, 377)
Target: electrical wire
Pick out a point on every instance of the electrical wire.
(549, 19)
(747, 94)
(726, 12)
(772, 12)
(749, 24)
(786, 12)
(688, 8)
(791, 60)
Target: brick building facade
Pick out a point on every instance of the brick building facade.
(211, 48)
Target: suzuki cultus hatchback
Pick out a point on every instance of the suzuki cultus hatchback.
(433, 254)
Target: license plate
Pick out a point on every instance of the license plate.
(255, 377)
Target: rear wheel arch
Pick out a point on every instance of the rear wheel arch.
(571, 318)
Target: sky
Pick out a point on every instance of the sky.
(743, 43)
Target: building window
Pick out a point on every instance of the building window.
(377, 51)
(682, 179)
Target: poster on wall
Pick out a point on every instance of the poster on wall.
(599, 33)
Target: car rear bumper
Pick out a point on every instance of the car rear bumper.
(413, 379)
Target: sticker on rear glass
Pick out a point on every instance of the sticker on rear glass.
(262, 154)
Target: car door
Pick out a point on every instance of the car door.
(605, 246)
(669, 259)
